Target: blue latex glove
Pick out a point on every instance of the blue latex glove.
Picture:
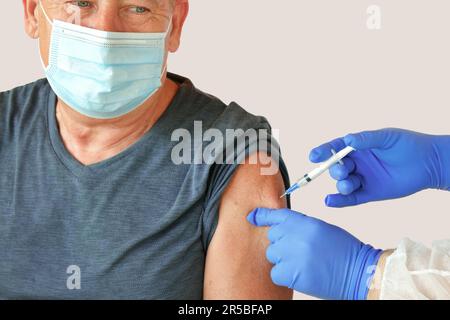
(388, 164)
(314, 257)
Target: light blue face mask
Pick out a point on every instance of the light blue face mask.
(102, 74)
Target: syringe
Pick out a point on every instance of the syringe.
(324, 166)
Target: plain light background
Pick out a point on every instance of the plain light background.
(316, 71)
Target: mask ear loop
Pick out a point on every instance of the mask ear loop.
(45, 13)
(166, 33)
(39, 43)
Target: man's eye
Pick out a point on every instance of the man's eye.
(82, 4)
(139, 10)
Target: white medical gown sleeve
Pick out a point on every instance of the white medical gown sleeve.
(414, 271)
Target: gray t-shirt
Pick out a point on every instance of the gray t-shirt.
(134, 226)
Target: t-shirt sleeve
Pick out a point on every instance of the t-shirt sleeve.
(221, 173)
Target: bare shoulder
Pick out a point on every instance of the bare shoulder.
(236, 266)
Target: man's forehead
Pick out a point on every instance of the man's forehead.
(135, 2)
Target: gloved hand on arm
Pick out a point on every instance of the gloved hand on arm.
(314, 257)
(387, 164)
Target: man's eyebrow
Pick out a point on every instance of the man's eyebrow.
(160, 4)
(153, 2)
(54, 1)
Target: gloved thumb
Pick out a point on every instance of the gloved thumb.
(368, 139)
(263, 217)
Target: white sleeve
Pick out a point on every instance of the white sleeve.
(414, 271)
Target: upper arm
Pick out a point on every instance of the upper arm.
(236, 264)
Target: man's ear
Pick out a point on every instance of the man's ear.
(180, 12)
(31, 10)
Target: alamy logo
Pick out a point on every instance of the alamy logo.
(74, 280)
(74, 13)
(230, 146)
(374, 17)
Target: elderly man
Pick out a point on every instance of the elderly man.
(92, 204)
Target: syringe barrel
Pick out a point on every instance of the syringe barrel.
(324, 166)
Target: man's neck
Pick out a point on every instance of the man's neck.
(92, 140)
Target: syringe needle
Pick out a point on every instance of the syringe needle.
(294, 187)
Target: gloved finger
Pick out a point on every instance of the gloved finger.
(379, 139)
(349, 185)
(275, 234)
(323, 152)
(263, 217)
(272, 254)
(341, 172)
(341, 201)
(280, 276)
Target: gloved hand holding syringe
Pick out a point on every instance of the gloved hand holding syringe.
(386, 164)
(307, 178)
